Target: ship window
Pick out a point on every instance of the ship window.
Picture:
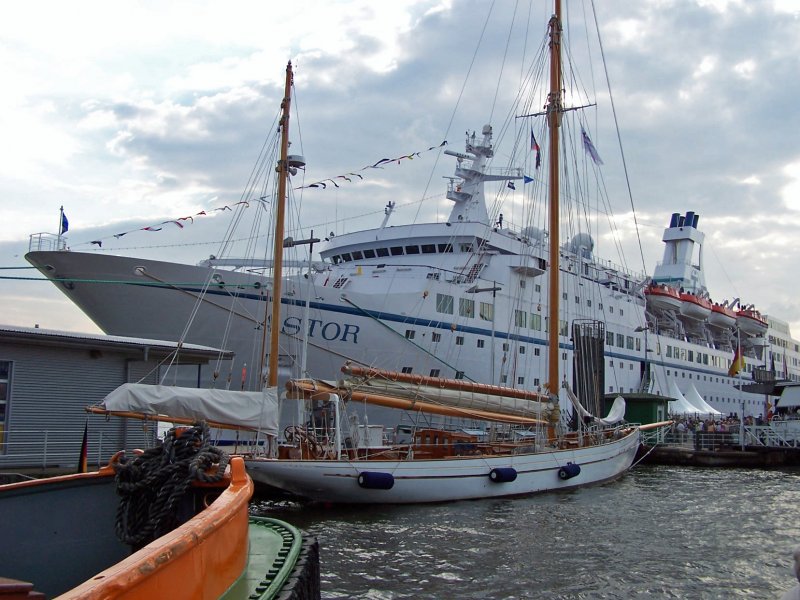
(520, 318)
(537, 288)
(690, 356)
(466, 307)
(434, 276)
(429, 248)
(486, 312)
(564, 296)
(436, 337)
(504, 379)
(336, 259)
(536, 351)
(588, 303)
(638, 344)
(609, 338)
(459, 340)
(465, 247)
(505, 346)
(481, 343)
(563, 356)
(382, 251)
(562, 328)
(629, 342)
(669, 351)
(396, 250)
(412, 249)
(346, 257)
(611, 309)
(357, 255)
(620, 340)
(5, 380)
(444, 304)
(407, 369)
(369, 253)
(522, 349)
(410, 334)
(445, 247)
(522, 283)
(459, 374)
(577, 299)
(520, 380)
(434, 372)
(600, 306)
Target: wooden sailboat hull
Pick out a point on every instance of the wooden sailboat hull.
(444, 480)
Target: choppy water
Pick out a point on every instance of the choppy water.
(663, 532)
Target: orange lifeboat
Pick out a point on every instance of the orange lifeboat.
(722, 317)
(662, 297)
(695, 307)
(750, 321)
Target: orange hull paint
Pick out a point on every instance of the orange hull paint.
(200, 559)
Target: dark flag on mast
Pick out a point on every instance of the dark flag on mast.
(535, 147)
(83, 459)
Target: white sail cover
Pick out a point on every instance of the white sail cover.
(615, 415)
(255, 410)
(704, 408)
(680, 405)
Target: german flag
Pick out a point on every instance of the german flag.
(82, 460)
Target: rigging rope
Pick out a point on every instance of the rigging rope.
(152, 485)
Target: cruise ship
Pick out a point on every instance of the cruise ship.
(464, 298)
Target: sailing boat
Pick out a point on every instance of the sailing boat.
(497, 442)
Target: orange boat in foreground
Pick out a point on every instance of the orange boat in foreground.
(63, 539)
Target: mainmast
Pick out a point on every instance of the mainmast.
(277, 258)
(554, 108)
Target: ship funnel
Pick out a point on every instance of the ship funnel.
(673, 222)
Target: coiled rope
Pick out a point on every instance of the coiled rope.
(152, 485)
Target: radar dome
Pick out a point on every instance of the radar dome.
(581, 244)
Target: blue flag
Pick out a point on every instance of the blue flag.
(590, 149)
(64, 223)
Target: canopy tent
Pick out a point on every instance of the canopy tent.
(680, 405)
(694, 397)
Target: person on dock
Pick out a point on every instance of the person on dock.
(794, 593)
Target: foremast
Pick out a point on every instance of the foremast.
(554, 109)
(280, 212)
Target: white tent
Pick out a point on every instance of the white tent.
(680, 405)
(694, 397)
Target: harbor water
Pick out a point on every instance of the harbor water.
(659, 532)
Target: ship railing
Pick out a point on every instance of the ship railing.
(50, 449)
(46, 242)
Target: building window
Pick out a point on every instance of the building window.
(5, 381)
(444, 304)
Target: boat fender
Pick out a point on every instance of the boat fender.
(374, 480)
(569, 471)
(503, 474)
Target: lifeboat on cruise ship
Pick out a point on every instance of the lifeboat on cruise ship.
(662, 297)
(750, 321)
(695, 307)
(722, 317)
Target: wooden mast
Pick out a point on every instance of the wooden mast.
(277, 258)
(554, 107)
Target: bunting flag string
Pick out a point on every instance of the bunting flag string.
(324, 183)
(177, 222)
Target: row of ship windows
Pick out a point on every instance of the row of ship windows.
(445, 304)
(398, 251)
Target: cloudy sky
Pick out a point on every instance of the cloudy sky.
(131, 114)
